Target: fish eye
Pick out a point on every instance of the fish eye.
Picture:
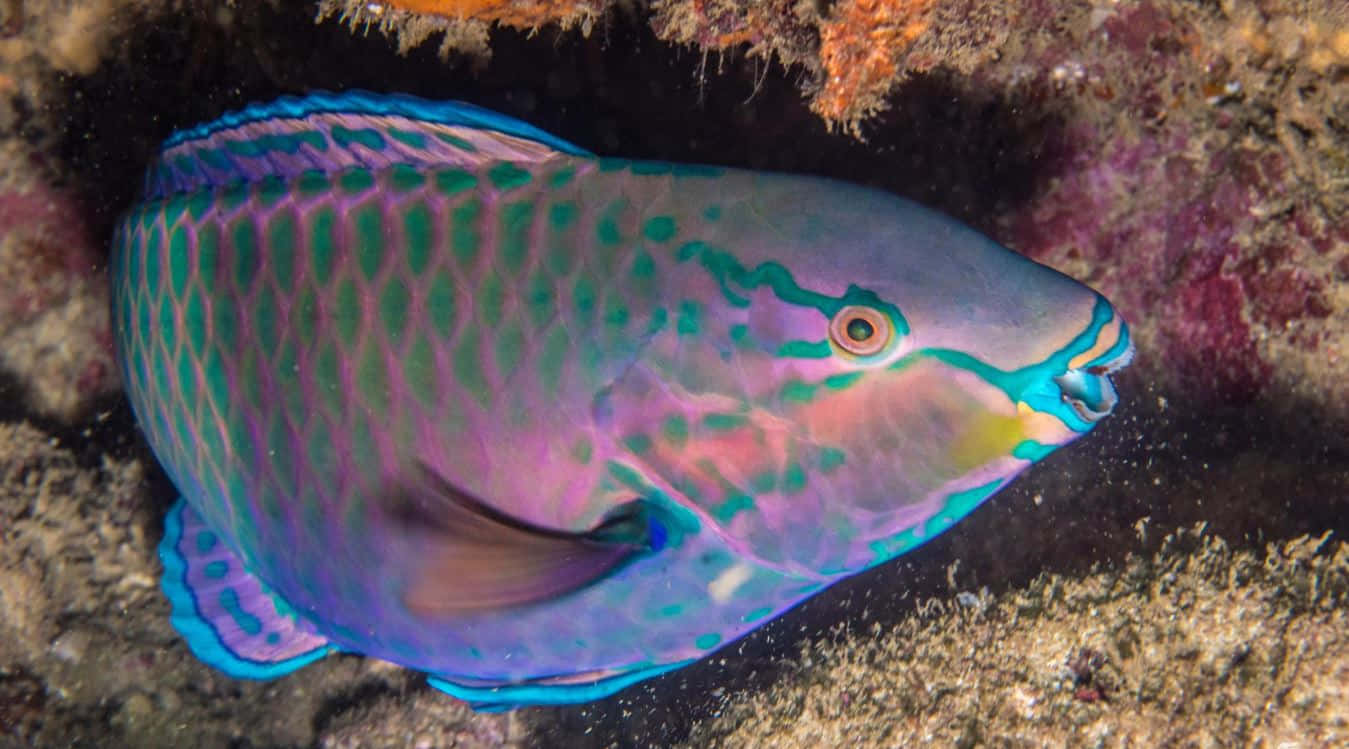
(860, 331)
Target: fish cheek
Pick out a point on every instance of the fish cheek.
(905, 435)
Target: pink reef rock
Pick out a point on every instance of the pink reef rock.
(1220, 234)
(54, 328)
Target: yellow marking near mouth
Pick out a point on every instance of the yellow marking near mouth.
(989, 437)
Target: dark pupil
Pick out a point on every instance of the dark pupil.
(860, 330)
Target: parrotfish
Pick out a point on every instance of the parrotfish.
(443, 389)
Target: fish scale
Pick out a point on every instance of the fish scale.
(440, 388)
(370, 367)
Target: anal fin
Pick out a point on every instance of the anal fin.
(230, 619)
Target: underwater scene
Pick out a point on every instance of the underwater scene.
(688, 373)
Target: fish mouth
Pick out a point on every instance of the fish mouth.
(1088, 388)
(1092, 396)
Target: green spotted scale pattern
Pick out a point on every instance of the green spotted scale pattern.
(346, 316)
(312, 302)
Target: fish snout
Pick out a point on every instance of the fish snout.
(1087, 388)
(1092, 395)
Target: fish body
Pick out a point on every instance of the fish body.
(442, 389)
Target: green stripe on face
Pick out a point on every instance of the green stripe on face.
(689, 322)
(956, 506)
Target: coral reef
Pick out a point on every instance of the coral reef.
(1202, 185)
(69, 36)
(88, 657)
(1189, 159)
(785, 30)
(862, 44)
(521, 14)
(55, 342)
(868, 47)
(1195, 645)
(463, 24)
(853, 56)
(54, 327)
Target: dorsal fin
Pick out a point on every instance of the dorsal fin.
(329, 132)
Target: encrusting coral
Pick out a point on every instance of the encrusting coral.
(463, 24)
(783, 29)
(521, 14)
(862, 47)
(854, 54)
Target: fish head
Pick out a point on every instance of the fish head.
(895, 368)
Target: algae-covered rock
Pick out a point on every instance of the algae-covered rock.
(55, 336)
(1188, 159)
(88, 657)
(462, 26)
(1196, 644)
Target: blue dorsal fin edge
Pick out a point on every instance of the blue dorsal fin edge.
(229, 618)
(357, 101)
(328, 132)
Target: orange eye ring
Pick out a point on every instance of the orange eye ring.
(860, 331)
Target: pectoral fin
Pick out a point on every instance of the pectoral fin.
(478, 558)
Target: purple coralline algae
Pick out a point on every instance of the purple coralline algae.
(1184, 189)
(54, 328)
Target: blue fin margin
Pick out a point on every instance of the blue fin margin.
(497, 699)
(206, 637)
(189, 549)
(357, 101)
